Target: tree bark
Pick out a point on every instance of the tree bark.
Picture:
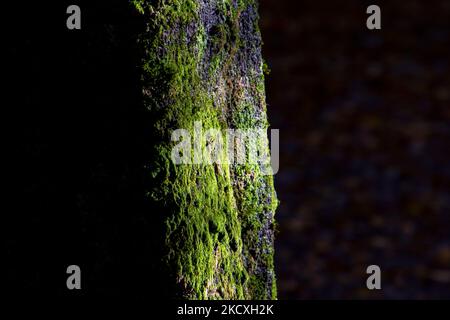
(203, 64)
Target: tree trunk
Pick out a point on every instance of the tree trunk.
(203, 65)
(96, 183)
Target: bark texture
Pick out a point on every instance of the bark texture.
(202, 62)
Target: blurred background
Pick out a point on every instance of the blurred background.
(364, 123)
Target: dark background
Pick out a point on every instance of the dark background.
(364, 119)
(80, 141)
(365, 168)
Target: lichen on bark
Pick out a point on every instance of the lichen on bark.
(202, 62)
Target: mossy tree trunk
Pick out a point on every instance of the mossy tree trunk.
(203, 63)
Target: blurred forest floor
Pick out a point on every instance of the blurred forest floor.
(364, 119)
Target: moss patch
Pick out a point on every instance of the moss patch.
(203, 63)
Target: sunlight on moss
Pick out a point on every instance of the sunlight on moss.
(217, 219)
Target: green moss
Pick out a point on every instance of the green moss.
(213, 213)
